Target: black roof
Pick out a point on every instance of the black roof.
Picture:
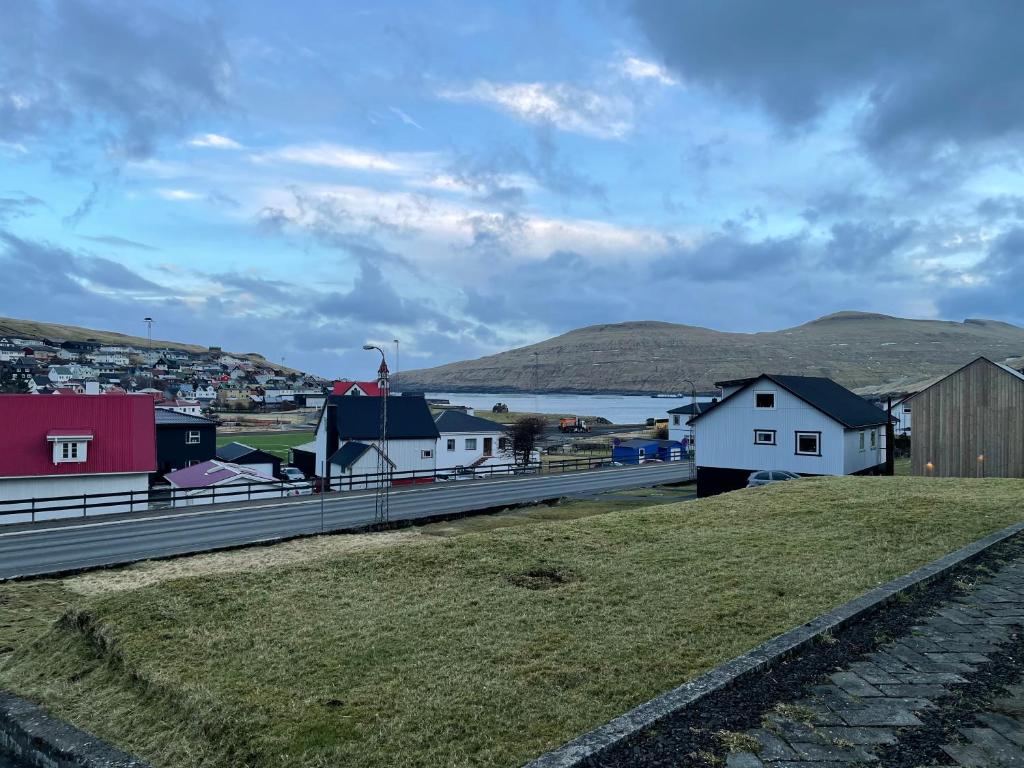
(458, 421)
(691, 408)
(240, 453)
(349, 454)
(166, 417)
(358, 418)
(832, 399)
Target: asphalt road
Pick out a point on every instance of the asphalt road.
(99, 542)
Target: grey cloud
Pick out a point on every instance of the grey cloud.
(728, 257)
(119, 242)
(933, 71)
(1002, 207)
(861, 245)
(131, 72)
(17, 204)
(998, 295)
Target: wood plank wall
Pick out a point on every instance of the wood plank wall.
(976, 411)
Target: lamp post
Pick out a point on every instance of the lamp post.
(695, 411)
(981, 464)
(381, 501)
(149, 331)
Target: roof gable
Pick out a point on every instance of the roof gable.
(834, 400)
(982, 360)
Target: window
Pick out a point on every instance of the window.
(764, 399)
(764, 437)
(808, 443)
(862, 441)
(426, 454)
(906, 409)
(874, 439)
(470, 443)
(69, 451)
(192, 462)
(193, 437)
(451, 443)
(676, 419)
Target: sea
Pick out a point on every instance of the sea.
(618, 409)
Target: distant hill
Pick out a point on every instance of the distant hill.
(857, 349)
(30, 329)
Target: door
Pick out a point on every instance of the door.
(488, 446)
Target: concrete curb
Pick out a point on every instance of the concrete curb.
(573, 754)
(39, 740)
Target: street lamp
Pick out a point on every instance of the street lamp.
(381, 501)
(694, 410)
(149, 330)
(981, 464)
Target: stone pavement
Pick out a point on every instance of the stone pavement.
(947, 693)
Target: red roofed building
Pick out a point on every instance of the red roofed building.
(364, 388)
(73, 445)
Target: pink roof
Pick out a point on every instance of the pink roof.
(70, 432)
(213, 472)
(123, 431)
(370, 388)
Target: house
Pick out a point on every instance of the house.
(246, 455)
(357, 388)
(902, 415)
(200, 481)
(190, 407)
(469, 441)
(60, 374)
(74, 445)
(803, 424)
(642, 450)
(970, 423)
(183, 440)
(678, 426)
(411, 432)
(24, 368)
(205, 393)
(9, 351)
(303, 457)
(80, 347)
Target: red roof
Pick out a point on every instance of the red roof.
(123, 430)
(370, 388)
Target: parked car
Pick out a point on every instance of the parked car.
(767, 477)
(294, 474)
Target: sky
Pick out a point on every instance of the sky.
(298, 179)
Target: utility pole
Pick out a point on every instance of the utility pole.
(384, 471)
(149, 331)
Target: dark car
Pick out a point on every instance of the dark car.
(769, 476)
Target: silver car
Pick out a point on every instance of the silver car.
(767, 477)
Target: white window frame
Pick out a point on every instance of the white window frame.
(771, 434)
(765, 407)
(676, 419)
(861, 438)
(193, 437)
(427, 453)
(470, 444)
(451, 444)
(71, 450)
(874, 439)
(806, 433)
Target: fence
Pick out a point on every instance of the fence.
(158, 498)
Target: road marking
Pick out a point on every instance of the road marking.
(435, 487)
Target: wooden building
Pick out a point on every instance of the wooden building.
(971, 423)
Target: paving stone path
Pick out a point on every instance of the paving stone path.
(947, 693)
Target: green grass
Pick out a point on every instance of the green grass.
(276, 443)
(440, 650)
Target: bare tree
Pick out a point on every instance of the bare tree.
(523, 435)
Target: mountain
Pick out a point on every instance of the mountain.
(857, 349)
(30, 329)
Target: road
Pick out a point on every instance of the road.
(99, 542)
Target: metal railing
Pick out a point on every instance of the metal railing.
(166, 497)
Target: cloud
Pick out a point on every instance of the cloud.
(566, 107)
(636, 68)
(405, 118)
(178, 194)
(18, 204)
(338, 156)
(862, 246)
(126, 73)
(84, 208)
(922, 75)
(119, 242)
(214, 141)
(991, 287)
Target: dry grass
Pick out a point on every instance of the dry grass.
(445, 652)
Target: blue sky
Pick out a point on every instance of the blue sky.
(297, 179)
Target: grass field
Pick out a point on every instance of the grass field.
(276, 443)
(484, 649)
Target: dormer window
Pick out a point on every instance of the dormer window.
(70, 446)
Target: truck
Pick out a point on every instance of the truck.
(573, 424)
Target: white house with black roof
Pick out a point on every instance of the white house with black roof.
(803, 424)
(411, 435)
(260, 461)
(469, 441)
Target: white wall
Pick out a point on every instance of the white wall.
(40, 488)
(856, 460)
(725, 436)
(678, 431)
(461, 456)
